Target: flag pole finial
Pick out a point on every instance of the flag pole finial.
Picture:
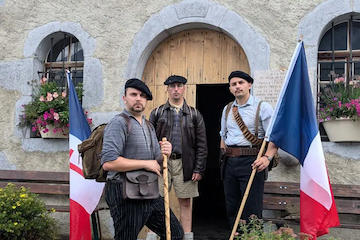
(301, 38)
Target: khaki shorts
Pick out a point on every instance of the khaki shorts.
(182, 189)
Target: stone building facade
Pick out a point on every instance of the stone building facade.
(119, 37)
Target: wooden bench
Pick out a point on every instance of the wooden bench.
(49, 183)
(285, 197)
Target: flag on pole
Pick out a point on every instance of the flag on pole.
(84, 194)
(294, 129)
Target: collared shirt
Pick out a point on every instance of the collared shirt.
(231, 133)
(176, 131)
(141, 143)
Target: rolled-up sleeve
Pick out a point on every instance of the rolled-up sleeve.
(223, 124)
(114, 138)
(266, 113)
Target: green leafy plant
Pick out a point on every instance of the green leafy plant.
(254, 230)
(340, 100)
(49, 105)
(23, 216)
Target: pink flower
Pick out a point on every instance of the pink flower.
(49, 97)
(46, 115)
(339, 102)
(55, 94)
(52, 111)
(43, 80)
(56, 116)
(33, 129)
(340, 79)
(63, 94)
(42, 99)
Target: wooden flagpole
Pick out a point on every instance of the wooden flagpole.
(246, 194)
(166, 196)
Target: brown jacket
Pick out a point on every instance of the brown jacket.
(193, 134)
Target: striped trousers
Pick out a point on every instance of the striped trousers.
(130, 216)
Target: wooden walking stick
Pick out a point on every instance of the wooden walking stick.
(246, 194)
(166, 196)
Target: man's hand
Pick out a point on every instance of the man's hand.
(166, 147)
(152, 166)
(196, 177)
(261, 163)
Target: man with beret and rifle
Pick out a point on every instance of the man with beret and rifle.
(184, 127)
(126, 150)
(240, 142)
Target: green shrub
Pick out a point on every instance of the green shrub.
(254, 231)
(23, 216)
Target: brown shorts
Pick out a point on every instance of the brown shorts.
(188, 189)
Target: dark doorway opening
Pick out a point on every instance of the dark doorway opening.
(209, 212)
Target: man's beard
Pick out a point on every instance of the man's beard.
(137, 109)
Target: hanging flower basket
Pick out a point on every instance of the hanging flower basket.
(342, 130)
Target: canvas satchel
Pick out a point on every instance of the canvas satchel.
(140, 184)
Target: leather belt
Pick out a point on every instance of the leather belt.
(241, 151)
(174, 156)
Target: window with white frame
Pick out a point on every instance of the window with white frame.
(339, 57)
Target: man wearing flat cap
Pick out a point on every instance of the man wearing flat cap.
(129, 144)
(241, 146)
(184, 127)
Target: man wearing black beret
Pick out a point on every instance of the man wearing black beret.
(241, 146)
(184, 127)
(130, 144)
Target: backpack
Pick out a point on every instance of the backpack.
(90, 151)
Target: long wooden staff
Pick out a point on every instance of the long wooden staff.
(246, 194)
(166, 196)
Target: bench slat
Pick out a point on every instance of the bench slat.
(34, 176)
(287, 188)
(45, 188)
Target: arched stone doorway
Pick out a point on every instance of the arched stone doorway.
(206, 58)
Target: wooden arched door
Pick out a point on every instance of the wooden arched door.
(202, 56)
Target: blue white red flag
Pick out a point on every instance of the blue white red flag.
(84, 194)
(294, 129)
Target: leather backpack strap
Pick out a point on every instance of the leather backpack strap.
(248, 135)
(228, 107)
(257, 120)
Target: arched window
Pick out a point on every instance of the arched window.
(339, 56)
(65, 53)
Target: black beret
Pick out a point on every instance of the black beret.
(242, 75)
(139, 85)
(174, 79)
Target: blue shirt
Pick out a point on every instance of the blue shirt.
(231, 133)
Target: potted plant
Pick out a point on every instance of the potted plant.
(48, 112)
(339, 111)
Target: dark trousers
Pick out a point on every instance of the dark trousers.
(130, 216)
(236, 176)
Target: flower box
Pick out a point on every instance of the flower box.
(342, 130)
(51, 131)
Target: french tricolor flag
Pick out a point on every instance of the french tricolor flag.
(84, 194)
(294, 129)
